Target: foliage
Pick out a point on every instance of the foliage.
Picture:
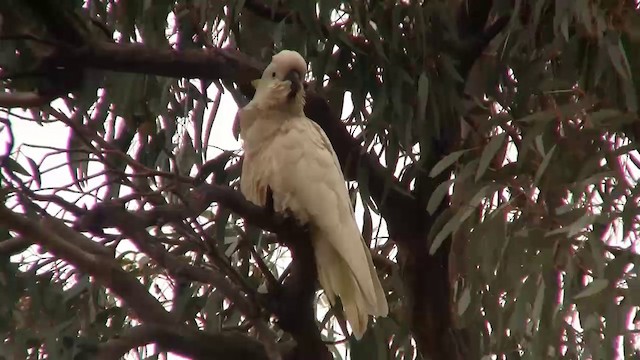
(491, 147)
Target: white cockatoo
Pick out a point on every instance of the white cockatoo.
(288, 153)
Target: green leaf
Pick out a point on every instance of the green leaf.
(186, 156)
(423, 96)
(449, 68)
(543, 165)
(594, 287)
(489, 152)
(464, 301)
(619, 59)
(437, 195)
(392, 153)
(448, 228)
(15, 166)
(446, 162)
(459, 218)
(538, 116)
(36, 171)
(77, 157)
(577, 226)
(537, 304)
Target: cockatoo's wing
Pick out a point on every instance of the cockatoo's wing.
(300, 166)
(377, 300)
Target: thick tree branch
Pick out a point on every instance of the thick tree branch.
(231, 65)
(186, 342)
(24, 99)
(145, 306)
(13, 246)
(210, 64)
(261, 9)
(425, 276)
(58, 227)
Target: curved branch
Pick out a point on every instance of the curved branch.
(130, 290)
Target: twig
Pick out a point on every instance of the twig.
(272, 282)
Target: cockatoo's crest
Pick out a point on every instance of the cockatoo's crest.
(284, 62)
(281, 82)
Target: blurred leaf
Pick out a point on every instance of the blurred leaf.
(594, 287)
(458, 219)
(423, 96)
(367, 347)
(543, 165)
(489, 152)
(618, 58)
(78, 159)
(35, 171)
(463, 302)
(186, 156)
(438, 195)
(446, 162)
(15, 166)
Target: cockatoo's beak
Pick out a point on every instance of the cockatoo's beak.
(296, 83)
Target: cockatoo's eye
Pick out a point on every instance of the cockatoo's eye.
(273, 75)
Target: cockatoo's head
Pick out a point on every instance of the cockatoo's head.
(282, 80)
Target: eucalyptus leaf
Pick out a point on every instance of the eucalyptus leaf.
(445, 162)
(489, 152)
(594, 287)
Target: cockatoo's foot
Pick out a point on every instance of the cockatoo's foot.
(292, 220)
(291, 228)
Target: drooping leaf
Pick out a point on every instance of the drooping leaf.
(438, 195)
(446, 162)
(543, 165)
(15, 166)
(594, 287)
(489, 152)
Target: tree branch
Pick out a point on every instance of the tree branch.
(13, 246)
(145, 306)
(231, 65)
(24, 99)
(292, 303)
(263, 10)
(185, 342)
(210, 64)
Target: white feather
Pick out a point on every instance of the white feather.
(289, 153)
